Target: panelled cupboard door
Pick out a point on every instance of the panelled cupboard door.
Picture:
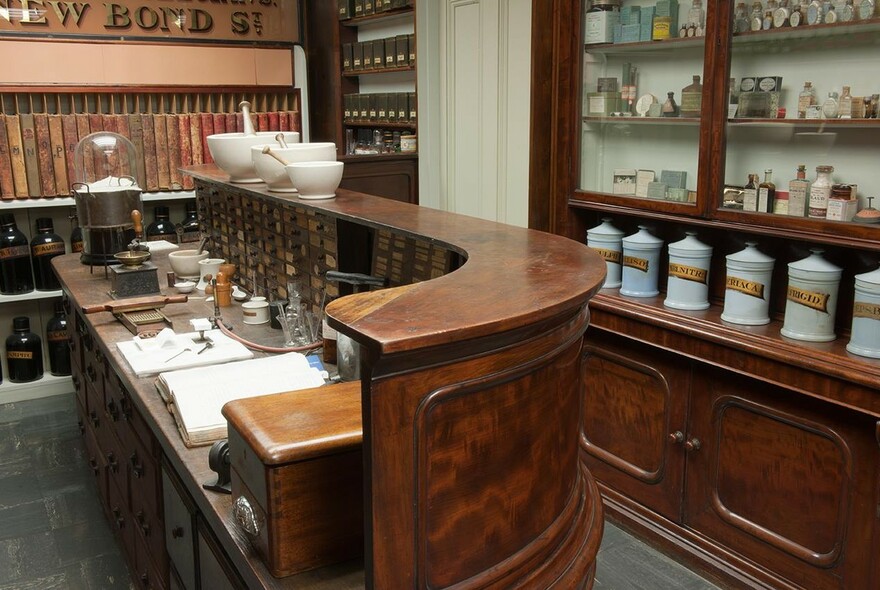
(784, 480)
(633, 420)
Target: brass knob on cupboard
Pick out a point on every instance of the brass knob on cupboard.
(676, 437)
(693, 444)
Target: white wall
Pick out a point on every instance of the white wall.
(474, 80)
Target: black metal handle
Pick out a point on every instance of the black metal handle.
(137, 468)
(177, 532)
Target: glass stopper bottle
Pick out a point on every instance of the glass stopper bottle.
(15, 264)
(766, 192)
(692, 99)
(820, 191)
(750, 194)
(24, 352)
(845, 104)
(45, 246)
(76, 233)
(189, 227)
(806, 98)
(799, 193)
(830, 108)
(161, 228)
(57, 341)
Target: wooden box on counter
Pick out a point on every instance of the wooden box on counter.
(297, 476)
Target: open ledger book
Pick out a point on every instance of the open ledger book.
(195, 396)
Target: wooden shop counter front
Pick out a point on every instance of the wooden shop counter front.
(471, 367)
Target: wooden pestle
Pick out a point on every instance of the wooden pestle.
(279, 137)
(245, 107)
(268, 150)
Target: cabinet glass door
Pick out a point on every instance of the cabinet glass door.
(642, 101)
(803, 94)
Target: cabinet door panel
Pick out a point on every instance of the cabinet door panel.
(633, 400)
(778, 481)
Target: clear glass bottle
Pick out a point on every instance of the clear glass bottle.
(820, 191)
(845, 104)
(741, 18)
(750, 194)
(24, 352)
(766, 192)
(161, 228)
(58, 342)
(692, 99)
(830, 108)
(756, 18)
(796, 18)
(799, 193)
(806, 98)
(189, 227)
(696, 15)
(15, 258)
(45, 246)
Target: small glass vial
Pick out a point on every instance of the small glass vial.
(740, 18)
(797, 16)
(831, 106)
(781, 14)
(820, 192)
(806, 98)
(750, 194)
(756, 18)
(845, 104)
(696, 15)
(669, 108)
(766, 192)
(24, 352)
(799, 193)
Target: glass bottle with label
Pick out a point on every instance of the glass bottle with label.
(189, 227)
(76, 233)
(750, 194)
(669, 108)
(799, 193)
(692, 99)
(740, 19)
(796, 17)
(161, 228)
(45, 246)
(24, 352)
(830, 16)
(756, 19)
(820, 191)
(866, 9)
(830, 108)
(600, 21)
(58, 342)
(806, 98)
(766, 192)
(845, 104)
(696, 16)
(15, 263)
(781, 14)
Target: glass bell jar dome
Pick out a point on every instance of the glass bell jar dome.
(107, 159)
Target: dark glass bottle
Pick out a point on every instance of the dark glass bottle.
(45, 246)
(189, 227)
(161, 228)
(57, 341)
(15, 263)
(24, 352)
(76, 234)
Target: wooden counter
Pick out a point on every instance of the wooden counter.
(470, 392)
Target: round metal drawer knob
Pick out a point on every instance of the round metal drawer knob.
(246, 517)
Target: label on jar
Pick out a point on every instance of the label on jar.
(19, 354)
(819, 200)
(56, 335)
(812, 299)
(636, 263)
(661, 28)
(607, 255)
(48, 249)
(746, 287)
(76, 246)
(870, 311)
(14, 252)
(688, 273)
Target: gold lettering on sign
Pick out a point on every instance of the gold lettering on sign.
(866, 310)
(636, 263)
(751, 288)
(47, 249)
(18, 354)
(812, 299)
(609, 255)
(688, 273)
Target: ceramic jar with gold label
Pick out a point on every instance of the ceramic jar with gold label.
(865, 339)
(641, 264)
(606, 240)
(688, 285)
(811, 299)
(747, 287)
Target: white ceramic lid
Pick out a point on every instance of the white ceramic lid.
(814, 263)
(750, 254)
(605, 229)
(869, 279)
(643, 238)
(690, 246)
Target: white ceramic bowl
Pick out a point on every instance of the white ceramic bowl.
(272, 171)
(185, 286)
(232, 152)
(185, 263)
(315, 180)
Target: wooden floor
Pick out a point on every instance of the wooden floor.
(53, 535)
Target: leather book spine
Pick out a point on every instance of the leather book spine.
(121, 123)
(195, 138)
(207, 129)
(163, 154)
(136, 135)
(16, 156)
(68, 131)
(150, 166)
(59, 161)
(44, 155)
(231, 123)
(283, 121)
(31, 162)
(83, 129)
(184, 138)
(96, 123)
(7, 184)
(263, 120)
(109, 123)
(239, 122)
(295, 121)
(172, 130)
(219, 123)
(274, 123)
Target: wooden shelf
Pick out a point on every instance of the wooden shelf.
(377, 71)
(30, 296)
(636, 120)
(70, 202)
(381, 17)
(671, 44)
(868, 29)
(819, 124)
(384, 125)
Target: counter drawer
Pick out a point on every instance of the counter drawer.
(179, 540)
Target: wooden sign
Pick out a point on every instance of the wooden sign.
(258, 21)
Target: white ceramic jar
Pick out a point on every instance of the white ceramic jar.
(865, 338)
(811, 299)
(606, 240)
(747, 291)
(641, 264)
(688, 285)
